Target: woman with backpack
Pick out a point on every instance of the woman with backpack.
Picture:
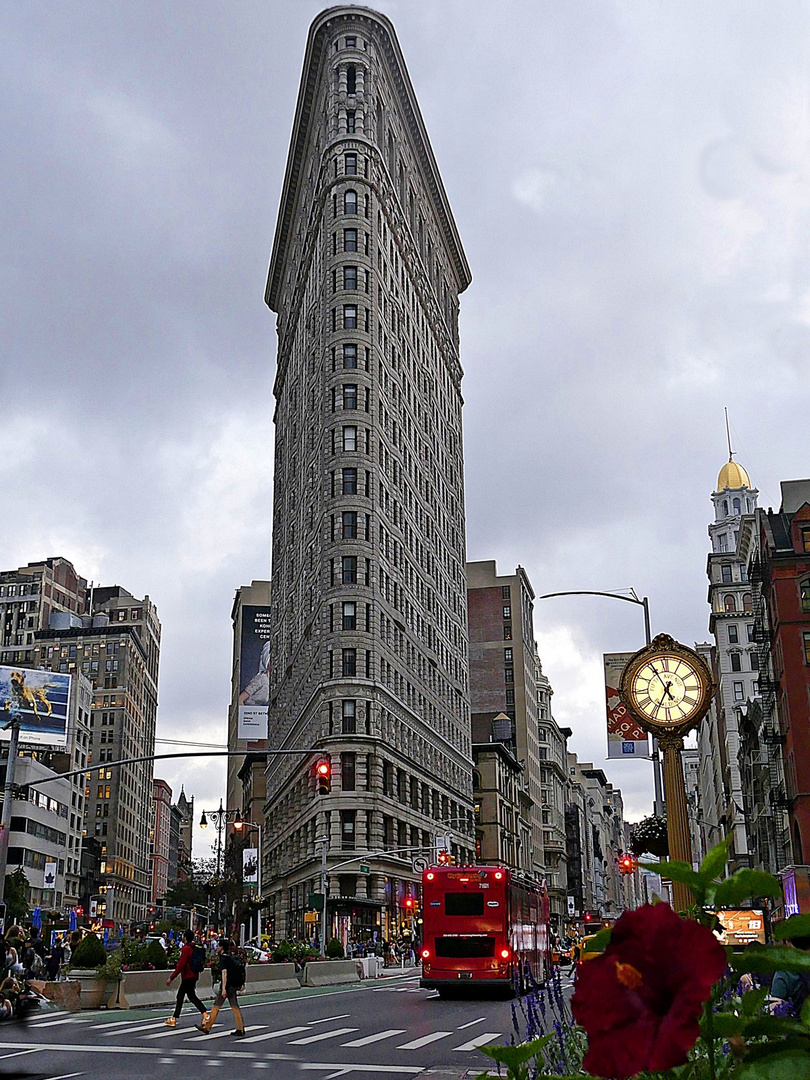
(233, 979)
(189, 966)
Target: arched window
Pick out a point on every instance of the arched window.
(748, 602)
(476, 780)
(736, 505)
(725, 507)
(729, 603)
(350, 202)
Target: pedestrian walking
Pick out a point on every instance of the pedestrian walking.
(55, 960)
(189, 966)
(233, 979)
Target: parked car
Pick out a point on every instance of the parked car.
(256, 955)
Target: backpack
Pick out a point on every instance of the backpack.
(32, 961)
(197, 961)
(236, 973)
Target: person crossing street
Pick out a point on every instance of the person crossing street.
(233, 979)
(188, 968)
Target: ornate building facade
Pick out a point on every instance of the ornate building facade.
(369, 646)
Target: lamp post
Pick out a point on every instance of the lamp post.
(644, 603)
(240, 824)
(219, 817)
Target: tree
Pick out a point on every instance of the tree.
(17, 891)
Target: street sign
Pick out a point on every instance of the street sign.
(310, 916)
(315, 901)
(418, 864)
(365, 869)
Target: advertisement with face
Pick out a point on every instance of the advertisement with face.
(254, 673)
(39, 700)
(625, 738)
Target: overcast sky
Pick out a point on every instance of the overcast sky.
(631, 186)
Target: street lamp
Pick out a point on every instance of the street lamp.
(644, 603)
(220, 818)
(240, 824)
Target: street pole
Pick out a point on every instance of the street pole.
(324, 886)
(8, 795)
(680, 844)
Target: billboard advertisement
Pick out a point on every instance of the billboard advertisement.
(254, 673)
(39, 700)
(740, 927)
(625, 738)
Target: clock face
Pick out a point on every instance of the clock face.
(667, 690)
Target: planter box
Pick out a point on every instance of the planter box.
(94, 992)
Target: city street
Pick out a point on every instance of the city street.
(385, 1028)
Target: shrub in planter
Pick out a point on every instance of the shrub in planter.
(283, 953)
(156, 955)
(334, 949)
(89, 953)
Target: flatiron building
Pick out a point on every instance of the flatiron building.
(369, 663)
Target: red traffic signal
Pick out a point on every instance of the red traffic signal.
(627, 864)
(323, 772)
(409, 903)
(444, 858)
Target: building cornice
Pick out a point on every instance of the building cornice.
(314, 59)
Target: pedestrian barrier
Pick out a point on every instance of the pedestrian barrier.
(266, 978)
(372, 966)
(332, 972)
(140, 988)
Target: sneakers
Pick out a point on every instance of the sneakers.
(238, 1033)
(206, 1018)
(202, 1028)
(171, 1022)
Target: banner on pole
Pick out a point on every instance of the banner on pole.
(250, 866)
(624, 737)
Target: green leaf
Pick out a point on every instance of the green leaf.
(599, 942)
(724, 1025)
(791, 1064)
(795, 926)
(776, 1027)
(514, 1056)
(676, 871)
(766, 959)
(715, 862)
(805, 1013)
(745, 883)
(753, 1001)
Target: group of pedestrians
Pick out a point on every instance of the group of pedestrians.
(228, 975)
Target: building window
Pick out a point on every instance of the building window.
(350, 356)
(507, 656)
(349, 663)
(732, 635)
(805, 540)
(806, 648)
(350, 164)
(739, 692)
(507, 611)
(509, 674)
(804, 595)
(723, 541)
(506, 591)
(349, 523)
(507, 633)
(349, 316)
(347, 829)
(750, 628)
(351, 122)
(729, 603)
(349, 614)
(510, 697)
(351, 79)
(349, 439)
(351, 42)
(349, 481)
(748, 602)
(350, 240)
(754, 661)
(350, 202)
(350, 396)
(349, 569)
(349, 277)
(725, 568)
(736, 662)
(349, 717)
(348, 771)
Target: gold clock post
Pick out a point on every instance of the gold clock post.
(668, 689)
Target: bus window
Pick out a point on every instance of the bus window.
(459, 903)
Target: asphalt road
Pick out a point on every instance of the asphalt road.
(376, 1029)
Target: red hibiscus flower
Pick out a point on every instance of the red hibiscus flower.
(640, 1001)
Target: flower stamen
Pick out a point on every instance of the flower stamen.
(628, 976)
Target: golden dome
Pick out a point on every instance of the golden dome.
(732, 475)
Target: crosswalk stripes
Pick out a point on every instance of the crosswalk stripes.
(321, 1036)
(415, 1044)
(377, 1037)
(480, 1040)
(199, 1037)
(276, 1034)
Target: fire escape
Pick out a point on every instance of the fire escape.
(766, 799)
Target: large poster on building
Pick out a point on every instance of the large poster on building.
(254, 673)
(39, 700)
(624, 737)
(740, 927)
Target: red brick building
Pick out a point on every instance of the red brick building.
(780, 575)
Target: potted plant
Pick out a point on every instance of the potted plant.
(94, 971)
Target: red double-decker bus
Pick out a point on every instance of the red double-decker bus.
(481, 925)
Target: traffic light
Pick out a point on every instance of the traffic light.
(444, 858)
(323, 771)
(627, 864)
(409, 904)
